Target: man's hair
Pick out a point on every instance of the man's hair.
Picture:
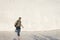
(19, 17)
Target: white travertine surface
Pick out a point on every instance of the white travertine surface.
(30, 35)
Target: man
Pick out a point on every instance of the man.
(18, 26)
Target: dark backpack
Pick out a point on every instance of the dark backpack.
(16, 24)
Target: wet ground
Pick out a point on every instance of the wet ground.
(28, 36)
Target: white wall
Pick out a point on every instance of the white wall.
(36, 14)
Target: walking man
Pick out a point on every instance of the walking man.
(18, 26)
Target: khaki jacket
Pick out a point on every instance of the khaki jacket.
(18, 23)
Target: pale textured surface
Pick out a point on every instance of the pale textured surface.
(53, 35)
(36, 14)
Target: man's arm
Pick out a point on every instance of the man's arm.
(22, 26)
(15, 24)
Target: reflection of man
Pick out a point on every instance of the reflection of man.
(18, 26)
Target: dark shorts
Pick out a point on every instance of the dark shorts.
(18, 29)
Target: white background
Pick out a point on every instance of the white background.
(37, 15)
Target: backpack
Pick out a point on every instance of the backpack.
(16, 24)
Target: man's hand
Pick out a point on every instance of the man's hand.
(22, 26)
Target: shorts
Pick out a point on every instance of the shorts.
(18, 30)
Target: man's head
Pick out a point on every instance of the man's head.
(19, 18)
